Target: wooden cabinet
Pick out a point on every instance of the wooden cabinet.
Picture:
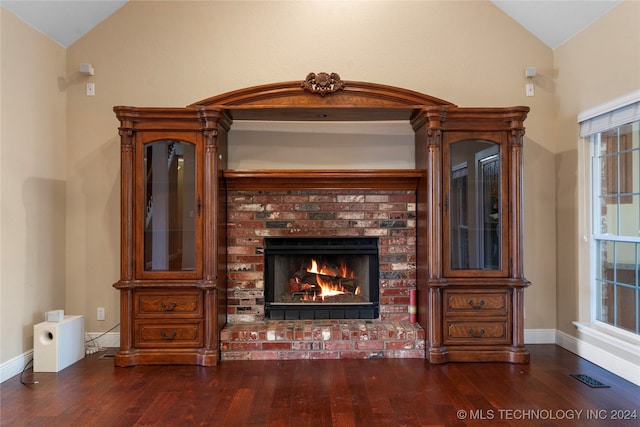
(180, 304)
(476, 316)
(471, 286)
(172, 283)
(469, 279)
(476, 303)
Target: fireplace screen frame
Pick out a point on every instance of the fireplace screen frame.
(319, 246)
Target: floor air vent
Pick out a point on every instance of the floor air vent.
(591, 382)
(108, 355)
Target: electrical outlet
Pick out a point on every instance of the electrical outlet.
(100, 313)
(530, 90)
(91, 89)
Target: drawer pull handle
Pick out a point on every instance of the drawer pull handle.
(165, 337)
(169, 307)
(478, 335)
(476, 306)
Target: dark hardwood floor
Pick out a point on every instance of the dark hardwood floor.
(367, 393)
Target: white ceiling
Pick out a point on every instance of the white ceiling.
(555, 21)
(63, 21)
(552, 21)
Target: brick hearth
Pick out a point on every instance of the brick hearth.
(388, 214)
(322, 339)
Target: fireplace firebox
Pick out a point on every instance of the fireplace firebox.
(321, 278)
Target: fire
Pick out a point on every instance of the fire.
(345, 272)
(325, 273)
(328, 289)
(314, 267)
(334, 271)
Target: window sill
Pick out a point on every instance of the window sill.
(619, 342)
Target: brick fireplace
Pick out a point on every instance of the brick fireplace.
(314, 278)
(256, 213)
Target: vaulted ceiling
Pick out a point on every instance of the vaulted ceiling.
(553, 21)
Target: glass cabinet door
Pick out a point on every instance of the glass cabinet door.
(171, 207)
(474, 209)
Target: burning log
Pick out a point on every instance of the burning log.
(304, 281)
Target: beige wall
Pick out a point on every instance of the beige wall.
(32, 182)
(175, 53)
(598, 65)
(321, 145)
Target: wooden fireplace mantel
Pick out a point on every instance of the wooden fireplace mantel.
(378, 179)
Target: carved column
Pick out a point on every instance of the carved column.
(517, 230)
(126, 204)
(516, 190)
(215, 124)
(126, 234)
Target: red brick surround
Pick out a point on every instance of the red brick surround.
(255, 214)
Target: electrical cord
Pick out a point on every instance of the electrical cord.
(22, 381)
(102, 334)
(96, 347)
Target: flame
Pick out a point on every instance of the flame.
(342, 270)
(328, 289)
(314, 267)
(346, 273)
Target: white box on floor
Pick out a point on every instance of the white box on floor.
(57, 345)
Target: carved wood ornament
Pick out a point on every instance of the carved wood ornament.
(323, 83)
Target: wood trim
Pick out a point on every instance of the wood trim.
(292, 93)
(380, 179)
(353, 101)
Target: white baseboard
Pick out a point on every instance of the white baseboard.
(539, 336)
(613, 363)
(13, 367)
(102, 340)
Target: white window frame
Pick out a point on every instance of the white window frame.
(598, 237)
(607, 116)
(613, 348)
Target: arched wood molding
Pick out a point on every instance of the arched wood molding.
(292, 93)
(293, 100)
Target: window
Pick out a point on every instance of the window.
(614, 139)
(616, 225)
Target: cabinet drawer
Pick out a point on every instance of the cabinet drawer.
(477, 332)
(479, 303)
(167, 334)
(163, 304)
